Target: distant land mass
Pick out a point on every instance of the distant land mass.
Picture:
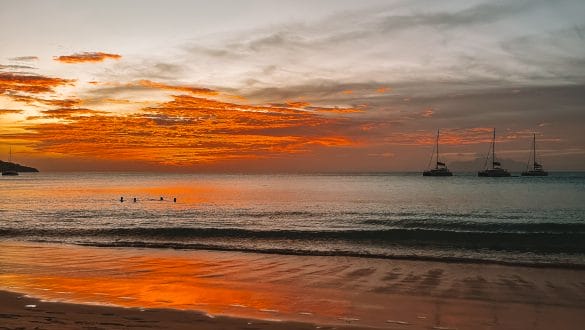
(17, 167)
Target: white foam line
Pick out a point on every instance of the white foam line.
(305, 313)
(238, 305)
(348, 319)
(30, 306)
(269, 310)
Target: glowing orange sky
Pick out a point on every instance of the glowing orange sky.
(187, 126)
(194, 126)
(324, 86)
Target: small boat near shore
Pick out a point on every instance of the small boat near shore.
(537, 169)
(496, 170)
(440, 168)
(10, 172)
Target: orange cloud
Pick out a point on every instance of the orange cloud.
(188, 89)
(428, 113)
(64, 103)
(185, 131)
(109, 88)
(86, 57)
(307, 106)
(67, 113)
(336, 109)
(29, 83)
(383, 90)
(9, 111)
(297, 104)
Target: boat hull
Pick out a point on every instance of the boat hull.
(437, 173)
(9, 173)
(535, 173)
(496, 173)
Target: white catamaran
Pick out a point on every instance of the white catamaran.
(496, 169)
(536, 169)
(440, 167)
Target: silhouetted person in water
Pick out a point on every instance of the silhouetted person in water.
(161, 198)
(175, 200)
(121, 199)
(134, 199)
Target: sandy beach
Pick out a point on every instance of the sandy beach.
(150, 288)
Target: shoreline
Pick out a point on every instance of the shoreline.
(300, 292)
(18, 311)
(287, 252)
(284, 252)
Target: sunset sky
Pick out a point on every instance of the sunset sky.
(289, 85)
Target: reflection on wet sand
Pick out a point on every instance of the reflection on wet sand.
(365, 292)
(217, 283)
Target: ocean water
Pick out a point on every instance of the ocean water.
(517, 220)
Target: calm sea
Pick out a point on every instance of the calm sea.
(463, 218)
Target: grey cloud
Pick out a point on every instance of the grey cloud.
(331, 92)
(478, 14)
(15, 67)
(24, 58)
(395, 47)
(212, 52)
(557, 54)
(517, 108)
(321, 89)
(525, 106)
(347, 27)
(151, 69)
(279, 39)
(112, 91)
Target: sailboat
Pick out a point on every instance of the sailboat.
(10, 171)
(496, 170)
(440, 167)
(537, 169)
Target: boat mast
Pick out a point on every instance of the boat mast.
(494, 149)
(437, 163)
(534, 151)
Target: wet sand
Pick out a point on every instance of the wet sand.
(20, 312)
(177, 289)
